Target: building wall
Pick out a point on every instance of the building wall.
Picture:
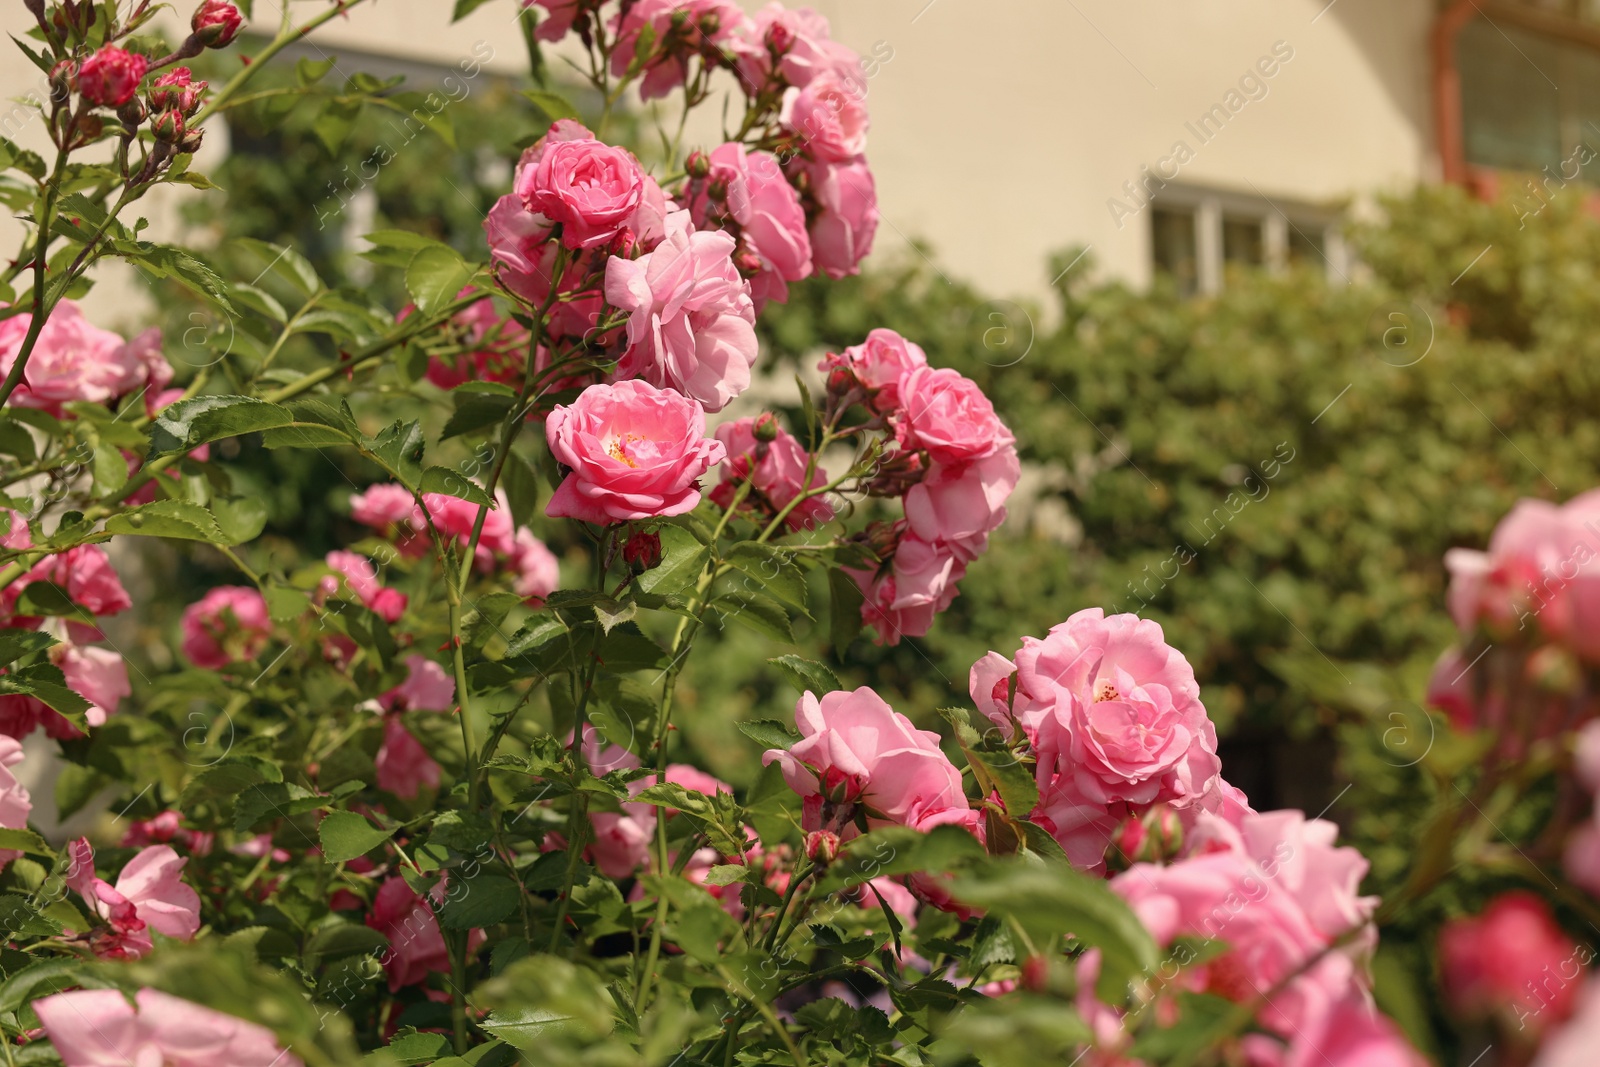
(1005, 130)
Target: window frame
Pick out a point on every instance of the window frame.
(1277, 216)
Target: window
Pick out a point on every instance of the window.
(1512, 114)
(1197, 235)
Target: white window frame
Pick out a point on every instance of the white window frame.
(1277, 216)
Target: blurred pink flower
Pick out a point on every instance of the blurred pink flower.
(99, 1028)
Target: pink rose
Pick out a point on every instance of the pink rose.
(1574, 1044)
(525, 258)
(1080, 825)
(1125, 718)
(77, 360)
(17, 535)
(111, 76)
(681, 29)
(15, 803)
(691, 324)
(765, 214)
(622, 839)
(856, 752)
(85, 573)
(99, 675)
(948, 416)
(847, 215)
(1351, 1033)
(830, 117)
(586, 186)
(149, 894)
(362, 579)
(1279, 894)
(877, 365)
(903, 599)
(801, 40)
(989, 683)
(166, 827)
(416, 947)
(776, 471)
(403, 765)
(538, 570)
(230, 624)
(99, 1028)
(428, 687)
(560, 15)
(383, 506)
(960, 505)
(1502, 963)
(634, 452)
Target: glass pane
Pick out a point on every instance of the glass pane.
(1305, 244)
(1241, 241)
(1173, 246)
(1511, 113)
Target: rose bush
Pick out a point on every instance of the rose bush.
(431, 793)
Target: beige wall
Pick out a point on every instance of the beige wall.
(1002, 128)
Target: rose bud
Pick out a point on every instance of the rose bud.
(191, 141)
(622, 244)
(1035, 973)
(698, 165)
(111, 76)
(216, 23)
(779, 39)
(765, 429)
(132, 113)
(710, 23)
(822, 846)
(168, 126)
(643, 551)
(61, 76)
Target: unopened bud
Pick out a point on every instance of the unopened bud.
(765, 429)
(622, 244)
(698, 165)
(61, 77)
(216, 23)
(132, 113)
(1035, 973)
(748, 263)
(822, 847)
(643, 551)
(168, 126)
(710, 24)
(191, 141)
(1554, 669)
(779, 39)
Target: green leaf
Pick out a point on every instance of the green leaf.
(1052, 899)
(19, 918)
(177, 519)
(521, 484)
(844, 614)
(808, 675)
(285, 604)
(258, 806)
(225, 779)
(285, 264)
(481, 901)
(454, 483)
(760, 613)
(188, 424)
(346, 835)
(769, 733)
(434, 277)
(465, 8)
(46, 682)
(772, 570)
(308, 72)
(240, 519)
(476, 411)
(554, 105)
(396, 248)
(25, 841)
(164, 261)
(335, 121)
(683, 560)
(400, 448)
(14, 644)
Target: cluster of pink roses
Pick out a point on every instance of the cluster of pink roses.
(775, 465)
(74, 360)
(1111, 715)
(394, 512)
(98, 674)
(954, 462)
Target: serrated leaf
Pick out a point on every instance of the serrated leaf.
(346, 835)
(772, 570)
(807, 675)
(14, 644)
(758, 612)
(188, 424)
(482, 901)
(454, 483)
(177, 519)
(434, 276)
(769, 733)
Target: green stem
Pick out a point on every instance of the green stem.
(286, 37)
(41, 254)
